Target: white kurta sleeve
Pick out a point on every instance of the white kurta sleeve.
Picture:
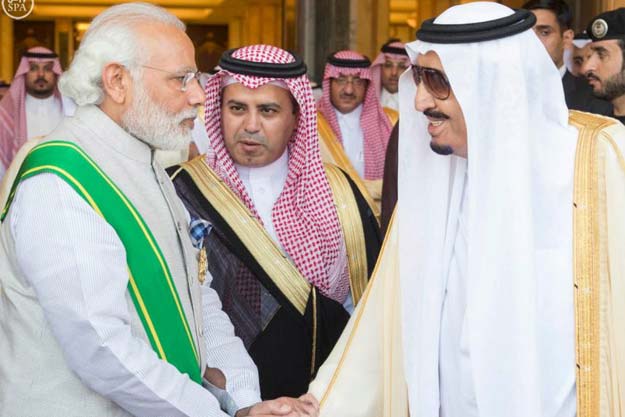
(76, 265)
(226, 352)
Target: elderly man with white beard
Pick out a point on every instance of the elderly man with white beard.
(101, 309)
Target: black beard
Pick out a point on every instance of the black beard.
(441, 149)
(614, 87)
(41, 93)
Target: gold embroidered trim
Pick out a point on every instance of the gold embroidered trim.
(175, 174)
(393, 115)
(358, 314)
(586, 262)
(353, 232)
(330, 145)
(201, 266)
(252, 234)
(313, 359)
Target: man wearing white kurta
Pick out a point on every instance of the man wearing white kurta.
(74, 341)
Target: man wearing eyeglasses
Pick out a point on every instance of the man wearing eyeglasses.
(101, 309)
(501, 254)
(353, 127)
(32, 106)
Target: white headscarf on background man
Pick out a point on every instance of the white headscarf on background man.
(519, 314)
(579, 42)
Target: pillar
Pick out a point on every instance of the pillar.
(6, 51)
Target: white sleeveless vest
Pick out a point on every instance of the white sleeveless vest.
(35, 380)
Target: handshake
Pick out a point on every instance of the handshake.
(304, 406)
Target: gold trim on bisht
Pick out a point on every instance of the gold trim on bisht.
(587, 261)
(353, 232)
(332, 151)
(393, 115)
(253, 235)
(373, 334)
(313, 356)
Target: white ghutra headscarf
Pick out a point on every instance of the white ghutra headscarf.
(519, 313)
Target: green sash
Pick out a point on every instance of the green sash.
(150, 282)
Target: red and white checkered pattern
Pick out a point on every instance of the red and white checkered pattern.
(375, 125)
(304, 216)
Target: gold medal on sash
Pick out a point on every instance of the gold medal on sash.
(202, 264)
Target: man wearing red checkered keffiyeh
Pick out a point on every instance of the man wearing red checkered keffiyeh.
(353, 127)
(390, 63)
(278, 226)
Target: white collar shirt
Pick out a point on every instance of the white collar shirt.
(353, 138)
(264, 185)
(390, 100)
(42, 115)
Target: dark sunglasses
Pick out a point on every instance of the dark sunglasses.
(435, 81)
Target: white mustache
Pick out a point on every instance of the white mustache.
(186, 114)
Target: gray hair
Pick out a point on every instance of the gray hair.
(111, 37)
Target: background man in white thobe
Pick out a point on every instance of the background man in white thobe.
(32, 106)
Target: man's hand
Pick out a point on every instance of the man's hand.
(304, 406)
(215, 377)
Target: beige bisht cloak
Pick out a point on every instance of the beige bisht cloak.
(332, 152)
(363, 377)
